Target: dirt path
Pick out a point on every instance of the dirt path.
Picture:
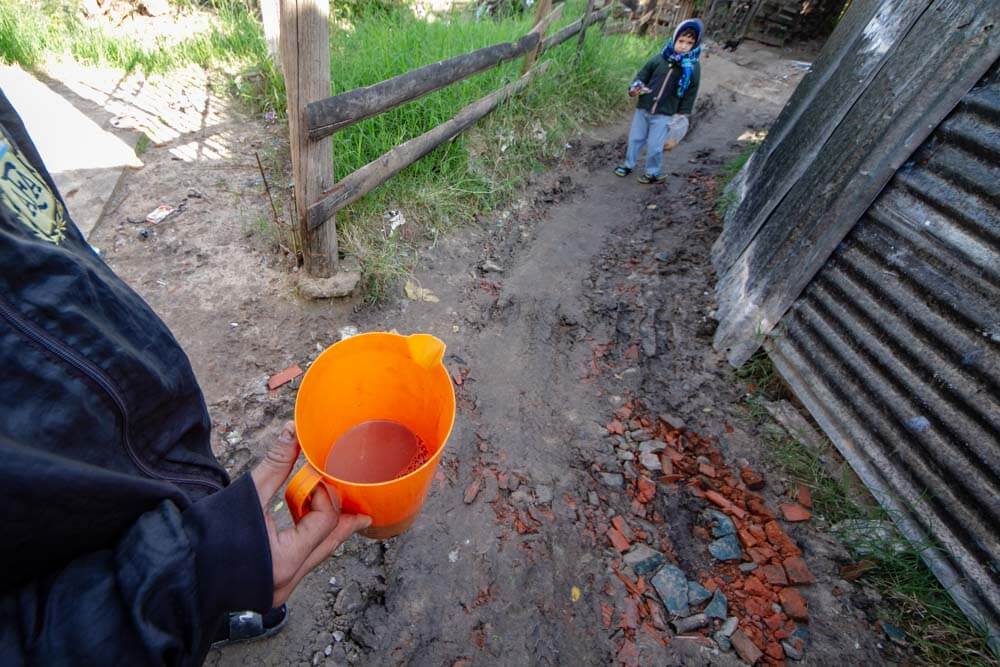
(603, 297)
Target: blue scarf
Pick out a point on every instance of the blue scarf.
(687, 60)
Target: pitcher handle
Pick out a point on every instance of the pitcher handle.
(300, 489)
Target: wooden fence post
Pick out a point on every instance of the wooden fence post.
(544, 6)
(583, 31)
(305, 52)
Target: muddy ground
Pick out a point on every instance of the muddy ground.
(602, 297)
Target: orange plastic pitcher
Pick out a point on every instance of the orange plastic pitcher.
(367, 377)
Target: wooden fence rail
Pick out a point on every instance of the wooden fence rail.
(305, 48)
(573, 28)
(325, 117)
(381, 169)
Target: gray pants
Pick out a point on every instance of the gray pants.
(649, 130)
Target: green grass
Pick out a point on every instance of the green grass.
(727, 173)
(30, 30)
(913, 599)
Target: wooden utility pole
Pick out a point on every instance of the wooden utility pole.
(305, 55)
(544, 6)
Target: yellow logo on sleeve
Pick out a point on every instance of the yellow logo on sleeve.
(26, 195)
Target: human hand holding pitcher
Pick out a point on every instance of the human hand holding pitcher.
(372, 415)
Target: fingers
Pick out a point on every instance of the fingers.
(347, 526)
(278, 462)
(321, 520)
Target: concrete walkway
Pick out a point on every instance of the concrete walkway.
(84, 152)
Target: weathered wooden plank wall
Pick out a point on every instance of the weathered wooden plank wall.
(837, 144)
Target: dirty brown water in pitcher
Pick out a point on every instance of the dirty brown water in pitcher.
(376, 451)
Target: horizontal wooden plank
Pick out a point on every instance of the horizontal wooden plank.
(324, 117)
(373, 174)
(574, 27)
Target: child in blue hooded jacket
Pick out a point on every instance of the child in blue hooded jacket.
(667, 86)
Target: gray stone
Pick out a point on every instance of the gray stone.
(643, 559)
(612, 479)
(723, 524)
(729, 627)
(543, 494)
(650, 461)
(748, 567)
(651, 446)
(350, 600)
(340, 284)
(641, 435)
(672, 586)
(690, 623)
(521, 497)
(801, 632)
(662, 256)
(726, 548)
(676, 423)
(363, 635)
(593, 499)
(489, 265)
(338, 636)
(718, 607)
(626, 455)
(697, 593)
(895, 634)
(791, 652)
(723, 641)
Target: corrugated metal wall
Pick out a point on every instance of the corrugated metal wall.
(894, 347)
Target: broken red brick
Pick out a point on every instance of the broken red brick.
(774, 622)
(707, 470)
(775, 651)
(755, 586)
(760, 508)
(623, 528)
(780, 541)
(805, 497)
(751, 478)
(471, 491)
(616, 427)
(669, 479)
(666, 464)
(798, 572)
(745, 648)
(746, 539)
(718, 499)
(628, 654)
(775, 575)
(283, 377)
(757, 532)
(647, 489)
(794, 604)
(795, 512)
(618, 540)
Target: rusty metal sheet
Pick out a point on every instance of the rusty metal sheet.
(894, 348)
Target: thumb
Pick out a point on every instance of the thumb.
(278, 462)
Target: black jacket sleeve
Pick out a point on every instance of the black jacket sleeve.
(155, 597)
(686, 105)
(646, 73)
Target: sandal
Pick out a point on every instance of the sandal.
(647, 179)
(247, 626)
(622, 171)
